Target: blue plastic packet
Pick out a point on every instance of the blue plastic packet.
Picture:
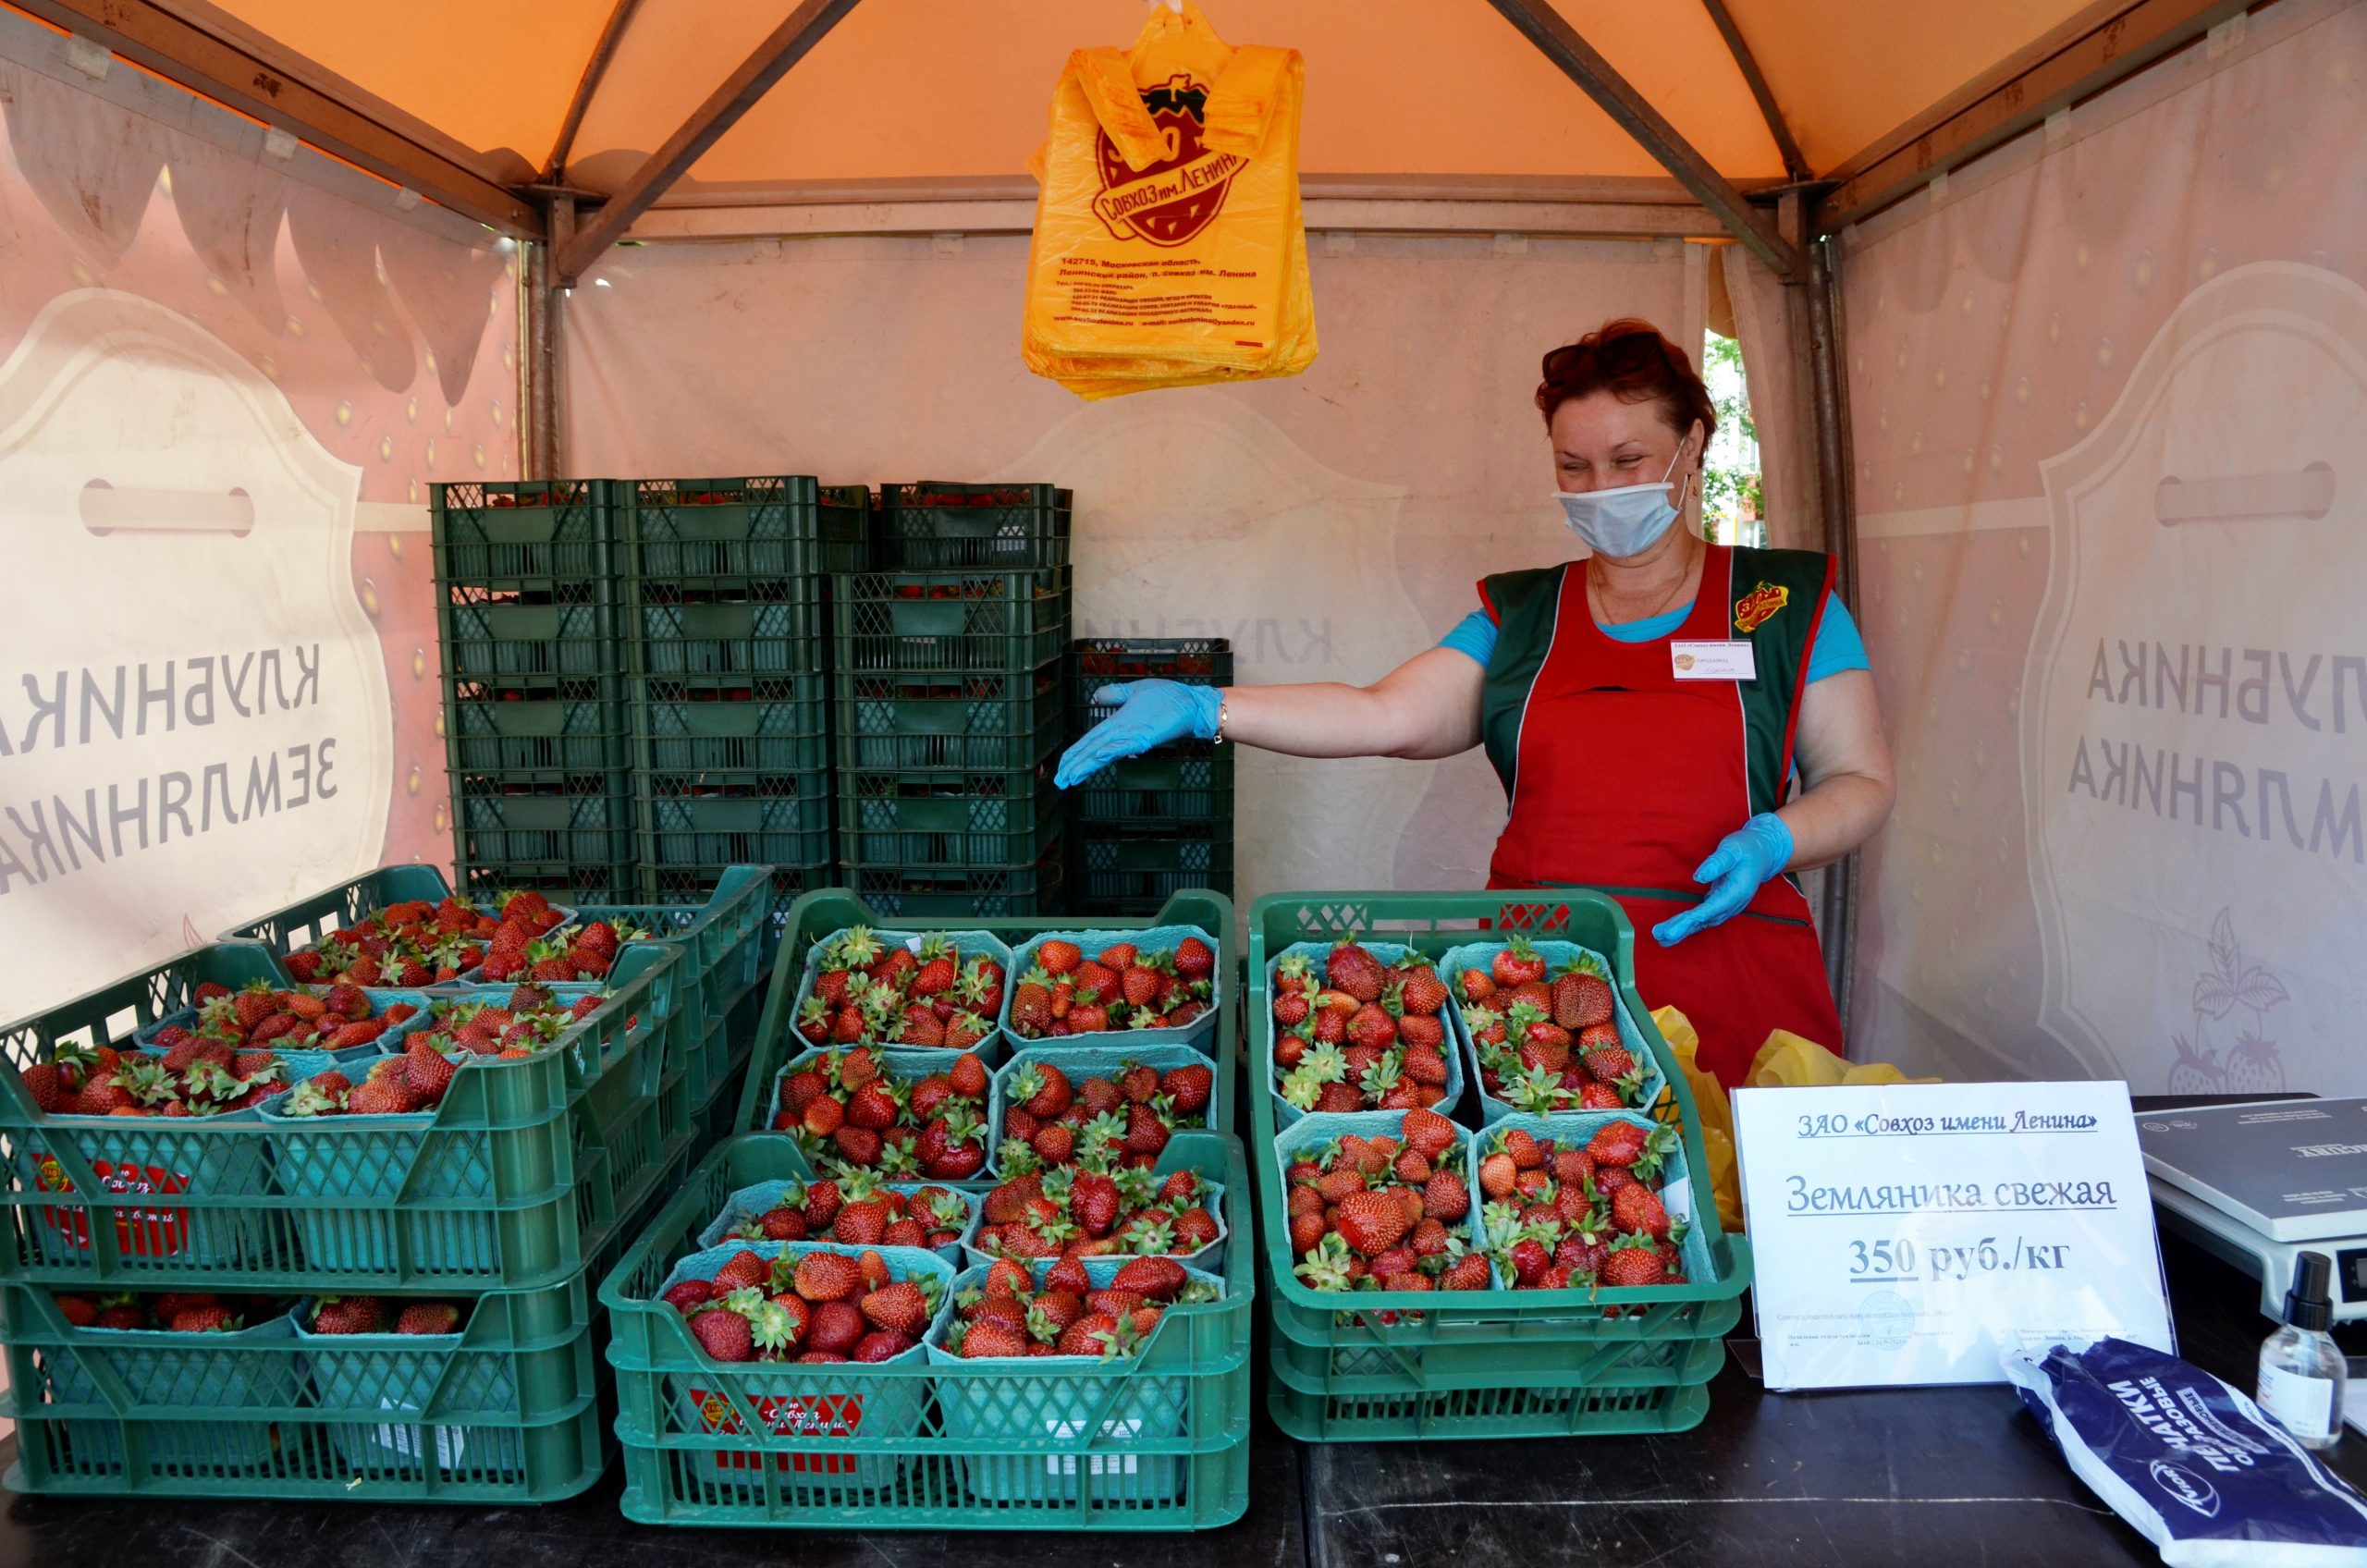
(2191, 1465)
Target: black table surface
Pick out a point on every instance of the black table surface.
(1923, 1477)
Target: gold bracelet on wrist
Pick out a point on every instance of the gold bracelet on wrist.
(1220, 713)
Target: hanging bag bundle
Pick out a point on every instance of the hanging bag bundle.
(1169, 249)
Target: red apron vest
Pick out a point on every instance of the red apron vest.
(1622, 777)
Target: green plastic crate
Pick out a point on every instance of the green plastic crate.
(717, 1117)
(574, 725)
(1021, 1425)
(790, 883)
(933, 525)
(305, 921)
(945, 830)
(498, 818)
(726, 534)
(912, 893)
(680, 638)
(491, 637)
(1095, 661)
(774, 818)
(1499, 1363)
(949, 619)
(557, 538)
(819, 914)
(720, 938)
(1171, 787)
(780, 724)
(1134, 872)
(988, 721)
(504, 1411)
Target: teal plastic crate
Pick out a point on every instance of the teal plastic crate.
(1060, 1398)
(936, 893)
(682, 1470)
(505, 1411)
(934, 525)
(1497, 1363)
(1187, 784)
(788, 634)
(945, 830)
(949, 619)
(824, 911)
(740, 534)
(998, 722)
(1134, 870)
(719, 933)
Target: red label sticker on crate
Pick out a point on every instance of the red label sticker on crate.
(801, 1415)
(141, 1233)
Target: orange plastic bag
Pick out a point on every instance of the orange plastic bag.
(1169, 249)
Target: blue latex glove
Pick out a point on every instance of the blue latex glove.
(1152, 713)
(1744, 860)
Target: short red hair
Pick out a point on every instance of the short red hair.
(1635, 363)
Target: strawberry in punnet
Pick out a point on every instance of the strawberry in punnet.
(414, 943)
(1099, 1205)
(1358, 1035)
(916, 992)
(1050, 1121)
(1382, 1212)
(167, 1312)
(1561, 1215)
(1044, 1313)
(1534, 1062)
(797, 1303)
(851, 1108)
(1122, 986)
(530, 1018)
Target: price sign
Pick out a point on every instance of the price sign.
(1906, 1233)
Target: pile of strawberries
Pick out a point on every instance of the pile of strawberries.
(1090, 1209)
(527, 1020)
(848, 1105)
(1121, 987)
(1361, 1036)
(1008, 1316)
(1563, 1215)
(1050, 1120)
(167, 1312)
(807, 1305)
(1384, 1213)
(369, 1315)
(415, 943)
(860, 1209)
(571, 954)
(1546, 1047)
(222, 1065)
(867, 992)
(263, 1014)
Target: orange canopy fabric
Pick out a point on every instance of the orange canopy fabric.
(917, 89)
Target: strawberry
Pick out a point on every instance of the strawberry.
(1057, 958)
(724, 1334)
(990, 1340)
(1372, 1222)
(1633, 1262)
(1636, 1209)
(1445, 1197)
(900, 1307)
(1188, 1088)
(1194, 960)
(1353, 970)
(969, 1076)
(1518, 964)
(1158, 1278)
(827, 1277)
(429, 1317)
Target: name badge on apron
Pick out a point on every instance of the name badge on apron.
(1733, 659)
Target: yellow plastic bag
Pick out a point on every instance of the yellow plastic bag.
(1716, 1117)
(1785, 1061)
(1169, 249)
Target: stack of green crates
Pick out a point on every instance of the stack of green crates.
(1145, 827)
(1367, 1366)
(950, 702)
(524, 1181)
(1156, 1441)
(728, 615)
(530, 600)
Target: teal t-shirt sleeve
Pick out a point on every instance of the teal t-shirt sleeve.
(1837, 645)
(1475, 635)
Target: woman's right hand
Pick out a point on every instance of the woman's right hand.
(1150, 713)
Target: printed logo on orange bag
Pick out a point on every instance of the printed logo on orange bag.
(1755, 608)
(1181, 194)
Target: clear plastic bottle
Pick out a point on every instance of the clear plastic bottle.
(2301, 1371)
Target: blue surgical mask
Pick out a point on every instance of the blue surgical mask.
(1624, 521)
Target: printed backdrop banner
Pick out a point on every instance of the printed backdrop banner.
(225, 381)
(2110, 395)
(1330, 526)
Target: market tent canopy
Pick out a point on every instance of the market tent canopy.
(906, 88)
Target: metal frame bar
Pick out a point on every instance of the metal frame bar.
(1559, 42)
(232, 72)
(2106, 46)
(787, 45)
(611, 34)
(1796, 162)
